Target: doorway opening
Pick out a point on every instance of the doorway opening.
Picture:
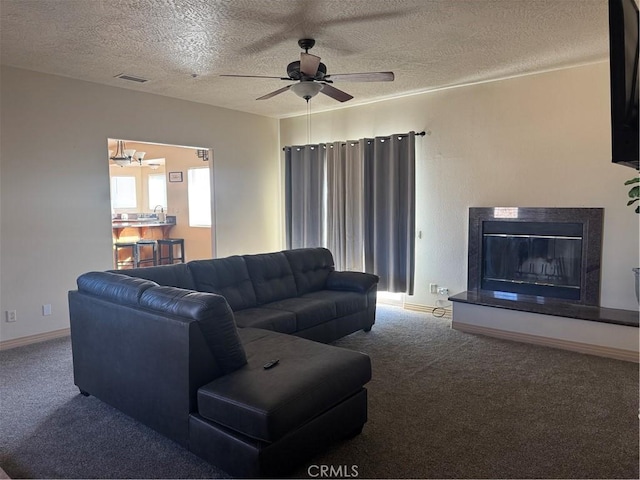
(155, 196)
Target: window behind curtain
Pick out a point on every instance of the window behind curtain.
(199, 192)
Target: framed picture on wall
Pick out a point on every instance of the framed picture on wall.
(175, 176)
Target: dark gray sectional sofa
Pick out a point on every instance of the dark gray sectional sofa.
(183, 349)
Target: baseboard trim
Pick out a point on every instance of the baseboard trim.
(619, 354)
(442, 312)
(28, 340)
(602, 351)
(389, 301)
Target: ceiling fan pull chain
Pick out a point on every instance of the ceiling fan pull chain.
(308, 122)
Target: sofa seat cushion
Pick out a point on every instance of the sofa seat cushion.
(309, 379)
(309, 311)
(269, 319)
(346, 302)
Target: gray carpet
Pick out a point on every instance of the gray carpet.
(442, 404)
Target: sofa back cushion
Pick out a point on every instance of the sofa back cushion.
(310, 267)
(228, 277)
(214, 317)
(115, 287)
(177, 275)
(271, 276)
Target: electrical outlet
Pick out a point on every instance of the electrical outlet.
(433, 288)
(46, 309)
(11, 315)
(443, 291)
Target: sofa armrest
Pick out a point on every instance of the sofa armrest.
(213, 314)
(351, 281)
(211, 311)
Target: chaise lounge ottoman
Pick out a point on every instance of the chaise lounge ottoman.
(311, 397)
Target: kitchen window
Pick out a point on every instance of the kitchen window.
(157, 190)
(123, 192)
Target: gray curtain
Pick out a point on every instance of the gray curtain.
(389, 244)
(345, 204)
(369, 194)
(304, 192)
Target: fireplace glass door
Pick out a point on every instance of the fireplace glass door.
(537, 258)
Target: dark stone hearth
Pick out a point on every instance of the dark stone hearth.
(525, 303)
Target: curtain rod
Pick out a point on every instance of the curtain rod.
(421, 134)
(400, 135)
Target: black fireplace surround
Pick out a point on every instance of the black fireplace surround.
(545, 254)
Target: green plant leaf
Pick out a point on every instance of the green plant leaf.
(633, 180)
(634, 193)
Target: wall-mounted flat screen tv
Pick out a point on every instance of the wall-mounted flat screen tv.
(623, 52)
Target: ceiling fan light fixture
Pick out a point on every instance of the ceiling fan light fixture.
(306, 90)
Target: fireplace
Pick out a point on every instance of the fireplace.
(536, 254)
(534, 276)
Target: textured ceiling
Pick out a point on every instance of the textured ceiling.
(182, 46)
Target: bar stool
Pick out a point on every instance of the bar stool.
(143, 244)
(170, 257)
(131, 250)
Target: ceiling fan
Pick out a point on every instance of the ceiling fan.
(312, 77)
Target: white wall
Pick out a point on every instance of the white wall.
(536, 141)
(54, 182)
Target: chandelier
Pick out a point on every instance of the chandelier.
(126, 156)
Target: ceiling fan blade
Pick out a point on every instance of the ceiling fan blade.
(334, 93)
(255, 76)
(309, 64)
(273, 94)
(362, 77)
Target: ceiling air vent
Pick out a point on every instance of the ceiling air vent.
(131, 78)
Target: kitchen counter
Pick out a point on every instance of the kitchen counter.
(142, 226)
(138, 223)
